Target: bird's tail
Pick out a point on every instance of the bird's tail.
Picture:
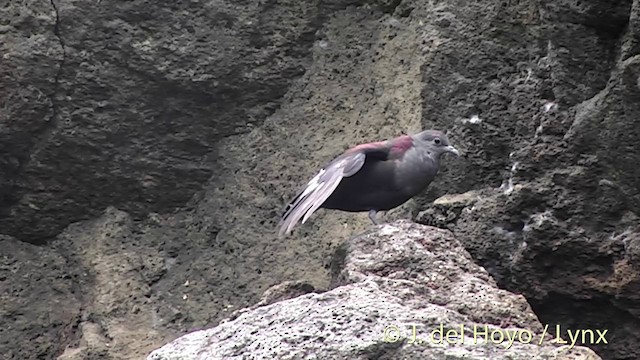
(287, 222)
(309, 200)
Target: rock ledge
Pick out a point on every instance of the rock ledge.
(389, 281)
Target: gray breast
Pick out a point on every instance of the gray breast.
(415, 170)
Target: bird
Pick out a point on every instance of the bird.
(371, 177)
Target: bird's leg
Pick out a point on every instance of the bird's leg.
(372, 216)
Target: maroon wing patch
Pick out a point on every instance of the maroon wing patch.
(400, 146)
(369, 146)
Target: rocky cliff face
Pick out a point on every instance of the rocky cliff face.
(196, 121)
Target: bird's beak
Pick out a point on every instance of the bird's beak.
(451, 149)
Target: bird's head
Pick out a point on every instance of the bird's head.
(436, 142)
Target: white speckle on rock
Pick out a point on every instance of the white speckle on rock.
(475, 119)
(606, 182)
(538, 130)
(536, 220)
(508, 186)
(549, 106)
(387, 230)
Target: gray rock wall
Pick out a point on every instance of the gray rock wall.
(123, 103)
(198, 120)
(559, 220)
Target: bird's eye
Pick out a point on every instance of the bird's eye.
(437, 141)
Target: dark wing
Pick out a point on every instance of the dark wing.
(325, 182)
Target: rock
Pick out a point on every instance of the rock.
(41, 301)
(119, 104)
(280, 292)
(390, 281)
(571, 273)
(199, 122)
(551, 143)
(446, 209)
(119, 315)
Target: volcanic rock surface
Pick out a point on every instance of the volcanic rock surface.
(148, 148)
(394, 287)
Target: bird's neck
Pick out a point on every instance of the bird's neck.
(417, 169)
(427, 158)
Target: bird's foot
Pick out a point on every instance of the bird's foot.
(372, 216)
